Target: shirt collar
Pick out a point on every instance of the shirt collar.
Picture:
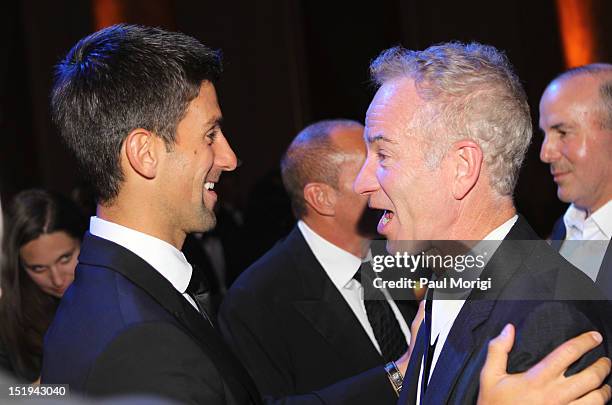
(339, 264)
(603, 218)
(162, 256)
(576, 218)
(502, 231)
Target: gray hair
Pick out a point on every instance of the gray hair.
(312, 157)
(602, 71)
(471, 92)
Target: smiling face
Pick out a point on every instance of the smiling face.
(50, 261)
(394, 176)
(576, 145)
(194, 164)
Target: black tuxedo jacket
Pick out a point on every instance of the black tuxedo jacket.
(295, 332)
(121, 328)
(523, 268)
(604, 276)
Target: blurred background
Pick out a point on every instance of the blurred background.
(287, 63)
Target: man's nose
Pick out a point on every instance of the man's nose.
(366, 181)
(225, 158)
(548, 151)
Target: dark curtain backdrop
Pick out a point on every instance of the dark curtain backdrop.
(287, 63)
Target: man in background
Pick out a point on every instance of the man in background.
(297, 315)
(576, 118)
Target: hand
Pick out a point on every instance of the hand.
(402, 363)
(544, 383)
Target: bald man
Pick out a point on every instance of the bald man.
(576, 118)
(296, 316)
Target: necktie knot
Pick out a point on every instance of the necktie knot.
(364, 272)
(198, 284)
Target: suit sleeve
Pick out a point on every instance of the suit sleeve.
(156, 359)
(369, 387)
(257, 342)
(250, 337)
(551, 324)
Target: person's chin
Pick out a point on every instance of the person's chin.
(209, 220)
(564, 194)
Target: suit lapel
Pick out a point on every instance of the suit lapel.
(558, 234)
(326, 310)
(604, 277)
(457, 349)
(101, 252)
(464, 338)
(408, 395)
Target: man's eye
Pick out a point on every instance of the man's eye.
(36, 269)
(381, 156)
(211, 136)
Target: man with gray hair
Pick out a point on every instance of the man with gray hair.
(576, 118)
(447, 132)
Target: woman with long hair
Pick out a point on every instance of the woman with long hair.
(42, 236)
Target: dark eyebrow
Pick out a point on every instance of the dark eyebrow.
(378, 138)
(215, 121)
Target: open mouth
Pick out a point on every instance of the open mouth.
(384, 220)
(209, 193)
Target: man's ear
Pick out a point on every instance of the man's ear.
(321, 197)
(142, 151)
(467, 164)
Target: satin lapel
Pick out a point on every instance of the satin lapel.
(323, 306)
(100, 252)
(463, 337)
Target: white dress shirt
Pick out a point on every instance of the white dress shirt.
(596, 227)
(444, 312)
(340, 267)
(162, 256)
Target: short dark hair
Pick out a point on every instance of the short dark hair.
(310, 158)
(604, 71)
(121, 78)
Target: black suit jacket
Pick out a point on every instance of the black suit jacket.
(295, 332)
(121, 328)
(604, 276)
(522, 269)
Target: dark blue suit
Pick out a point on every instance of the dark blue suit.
(122, 328)
(548, 301)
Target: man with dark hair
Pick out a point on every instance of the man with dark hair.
(447, 132)
(307, 284)
(576, 117)
(138, 107)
